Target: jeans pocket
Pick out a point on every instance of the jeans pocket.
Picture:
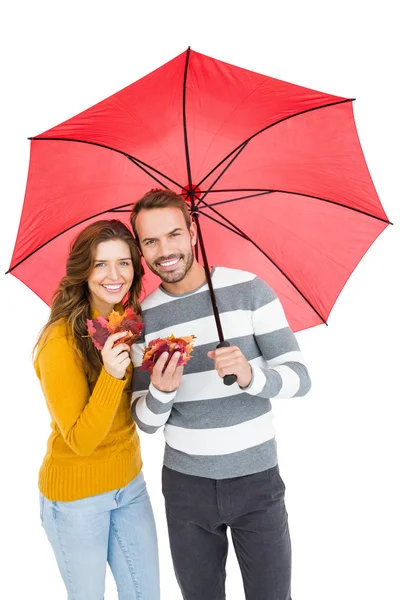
(41, 507)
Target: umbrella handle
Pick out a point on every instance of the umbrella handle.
(228, 379)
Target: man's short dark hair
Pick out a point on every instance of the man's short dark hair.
(159, 198)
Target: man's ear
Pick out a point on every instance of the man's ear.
(193, 233)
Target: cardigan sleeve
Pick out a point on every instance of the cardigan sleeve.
(83, 418)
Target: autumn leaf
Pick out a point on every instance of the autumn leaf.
(98, 332)
(114, 321)
(101, 328)
(131, 322)
(170, 344)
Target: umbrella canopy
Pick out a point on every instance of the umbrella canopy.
(274, 174)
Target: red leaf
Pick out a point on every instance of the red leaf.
(101, 328)
(170, 344)
(132, 322)
(98, 332)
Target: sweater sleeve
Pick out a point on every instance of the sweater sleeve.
(83, 419)
(282, 373)
(150, 407)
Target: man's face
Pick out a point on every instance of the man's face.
(166, 242)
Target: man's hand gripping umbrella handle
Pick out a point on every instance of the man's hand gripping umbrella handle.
(228, 379)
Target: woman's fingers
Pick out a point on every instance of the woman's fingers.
(116, 358)
(110, 341)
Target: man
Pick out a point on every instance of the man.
(220, 465)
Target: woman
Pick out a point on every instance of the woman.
(93, 498)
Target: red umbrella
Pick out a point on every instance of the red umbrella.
(274, 172)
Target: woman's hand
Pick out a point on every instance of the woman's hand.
(117, 359)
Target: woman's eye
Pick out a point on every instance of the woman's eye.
(124, 263)
(99, 265)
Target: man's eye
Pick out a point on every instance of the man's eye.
(175, 234)
(149, 242)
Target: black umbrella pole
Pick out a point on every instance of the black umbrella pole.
(228, 379)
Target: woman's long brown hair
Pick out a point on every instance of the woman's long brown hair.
(71, 301)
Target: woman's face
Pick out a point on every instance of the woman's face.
(111, 276)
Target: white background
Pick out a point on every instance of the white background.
(338, 447)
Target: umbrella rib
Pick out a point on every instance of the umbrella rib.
(223, 224)
(138, 160)
(146, 171)
(201, 199)
(259, 192)
(264, 193)
(303, 112)
(245, 236)
(133, 159)
(103, 212)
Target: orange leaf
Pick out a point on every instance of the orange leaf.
(114, 321)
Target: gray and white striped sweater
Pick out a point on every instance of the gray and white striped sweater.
(213, 430)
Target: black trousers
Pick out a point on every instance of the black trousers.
(199, 511)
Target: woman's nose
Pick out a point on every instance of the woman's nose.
(113, 272)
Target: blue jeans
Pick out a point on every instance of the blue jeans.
(116, 527)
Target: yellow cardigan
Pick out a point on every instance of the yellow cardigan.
(94, 446)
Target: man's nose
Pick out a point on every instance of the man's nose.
(165, 248)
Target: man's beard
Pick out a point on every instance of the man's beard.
(177, 274)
